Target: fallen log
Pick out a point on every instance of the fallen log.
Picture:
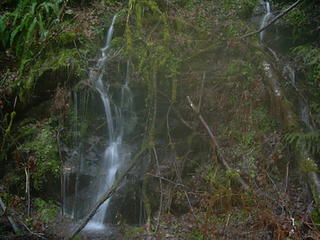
(215, 146)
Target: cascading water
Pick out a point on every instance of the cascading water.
(288, 70)
(266, 18)
(101, 170)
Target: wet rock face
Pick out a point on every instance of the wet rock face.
(126, 204)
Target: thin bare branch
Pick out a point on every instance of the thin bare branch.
(161, 189)
(215, 146)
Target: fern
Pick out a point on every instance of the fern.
(310, 57)
(29, 23)
(308, 142)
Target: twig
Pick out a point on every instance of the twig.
(215, 146)
(168, 180)
(26, 171)
(161, 189)
(287, 177)
(284, 12)
(176, 112)
(39, 235)
(201, 90)
(106, 196)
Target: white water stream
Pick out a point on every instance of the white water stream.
(266, 18)
(119, 118)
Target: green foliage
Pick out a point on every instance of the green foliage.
(310, 57)
(297, 18)
(265, 123)
(46, 210)
(308, 142)
(308, 165)
(242, 8)
(151, 57)
(31, 21)
(217, 179)
(197, 235)
(40, 150)
(5, 131)
(132, 232)
(315, 107)
(239, 71)
(315, 215)
(63, 59)
(232, 174)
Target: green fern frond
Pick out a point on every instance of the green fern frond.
(309, 142)
(3, 27)
(14, 34)
(33, 8)
(31, 31)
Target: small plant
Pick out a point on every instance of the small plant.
(46, 210)
(308, 165)
(265, 123)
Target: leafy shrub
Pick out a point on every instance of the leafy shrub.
(47, 210)
(40, 151)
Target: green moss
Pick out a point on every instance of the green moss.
(66, 60)
(67, 38)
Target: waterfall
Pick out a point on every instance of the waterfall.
(267, 16)
(102, 170)
(288, 71)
